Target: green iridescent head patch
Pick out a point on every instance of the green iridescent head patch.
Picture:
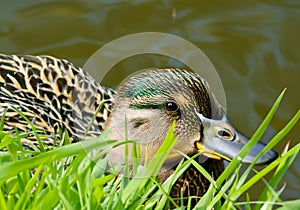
(147, 92)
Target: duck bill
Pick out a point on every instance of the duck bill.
(222, 141)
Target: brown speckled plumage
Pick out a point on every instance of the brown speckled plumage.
(53, 94)
(193, 183)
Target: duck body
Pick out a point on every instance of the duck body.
(53, 94)
(57, 96)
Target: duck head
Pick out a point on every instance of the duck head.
(149, 102)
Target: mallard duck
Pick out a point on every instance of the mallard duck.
(57, 96)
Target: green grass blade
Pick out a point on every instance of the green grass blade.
(41, 145)
(2, 120)
(221, 193)
(139, 181)
(29, 186)
(206, 199)
(64, 201)
(271, 201)
(50, 200)
(263, 172)
(199, 167)
(255, 138)
(274, 181)
(167, 185)
(3, 203)
(274, 141)
(162, 153)
(6, 140)
(288, 205)
(93, 120)
(11, 169)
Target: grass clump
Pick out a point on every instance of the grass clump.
(75, 176)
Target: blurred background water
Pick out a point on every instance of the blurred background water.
(254, 46)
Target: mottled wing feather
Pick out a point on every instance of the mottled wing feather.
(53, 94)
(193, 183)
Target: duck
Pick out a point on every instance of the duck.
(57, 96)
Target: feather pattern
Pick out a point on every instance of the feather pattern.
(53, 94)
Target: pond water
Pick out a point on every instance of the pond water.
(254, 46)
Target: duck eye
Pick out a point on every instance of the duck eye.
(171, 106)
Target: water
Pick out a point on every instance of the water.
(253, 45)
